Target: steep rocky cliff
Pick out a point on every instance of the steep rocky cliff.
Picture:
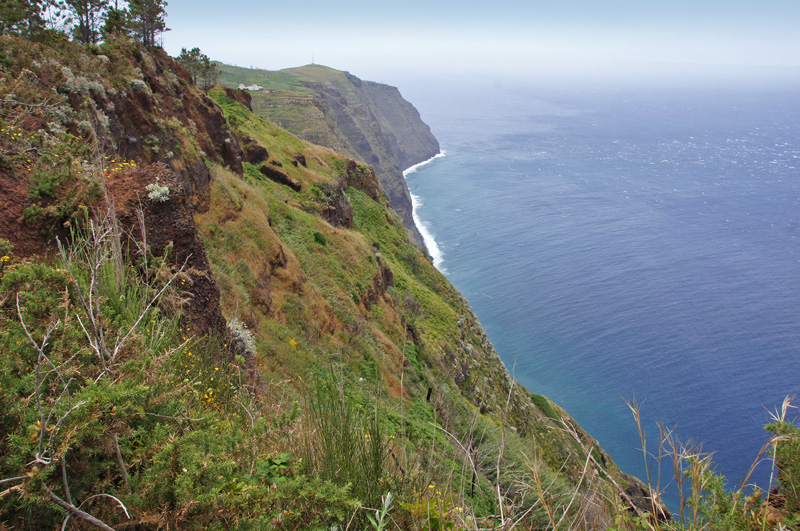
(368, 121)
(212, 268)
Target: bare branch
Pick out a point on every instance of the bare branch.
(38, 376)
(121, 342)
(121, 464)
(9, 480)
(8, 99)
(124, 509)
(64, 479)
(94, 339)
(577, 488)
(500, 497)
(143, 247)
(15, 488)
(77, 512)
(569, 429)
(467, 453)
(62, 419)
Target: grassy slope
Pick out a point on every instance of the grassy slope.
(269, 79)
(318, 316)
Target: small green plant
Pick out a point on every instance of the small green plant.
(636, 522)
(6, 247)
(434, 510)
(346, 448)
(320, 238)
(381, 518)
(45, 184)
(157, 192)
(274, 469)
(544, 405)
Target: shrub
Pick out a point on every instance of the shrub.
(346, 449)
(320, 238)
(544, 406)
(157, 192)
(137, 85)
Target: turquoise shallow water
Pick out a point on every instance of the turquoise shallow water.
(628, 244)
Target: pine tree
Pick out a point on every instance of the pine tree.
(32, 19)
(209, 72)
(199, 66)
(117, 22)
(88, 19)
(192, 61)
(21, 17)
(148, 19)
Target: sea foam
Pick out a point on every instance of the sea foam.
(423, 226)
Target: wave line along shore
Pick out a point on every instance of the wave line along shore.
(424, 229)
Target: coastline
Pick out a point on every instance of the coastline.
(428, 238)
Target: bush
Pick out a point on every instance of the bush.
(346, 449)
(320, 238)
(544, 406)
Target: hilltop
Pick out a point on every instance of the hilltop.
(368, 121)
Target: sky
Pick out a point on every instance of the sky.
(382, 40)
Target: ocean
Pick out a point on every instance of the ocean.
(628, 244)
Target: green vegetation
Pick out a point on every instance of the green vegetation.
(707, 501)
(86, 21)
(200, 67)
(272, 80)
(107, 401)
(312, 371)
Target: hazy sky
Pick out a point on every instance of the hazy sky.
(379, 39)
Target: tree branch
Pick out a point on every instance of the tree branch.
(77, 512)
(9, 480)
(122, 464)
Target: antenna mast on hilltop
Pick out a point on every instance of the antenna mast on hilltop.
(312, 58)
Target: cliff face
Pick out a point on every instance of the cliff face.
(287, 265)
(109, 124)
(368, 121)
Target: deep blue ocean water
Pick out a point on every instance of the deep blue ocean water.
(621, 244)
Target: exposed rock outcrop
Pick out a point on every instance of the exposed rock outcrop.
(383, 280)
(242, 96)
(161, 124)
(301, 160)
(362, 178)
(170, 224)
(254, 153)
(280, 178)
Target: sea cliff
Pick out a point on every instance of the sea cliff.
(217, 323)
(368, 121)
